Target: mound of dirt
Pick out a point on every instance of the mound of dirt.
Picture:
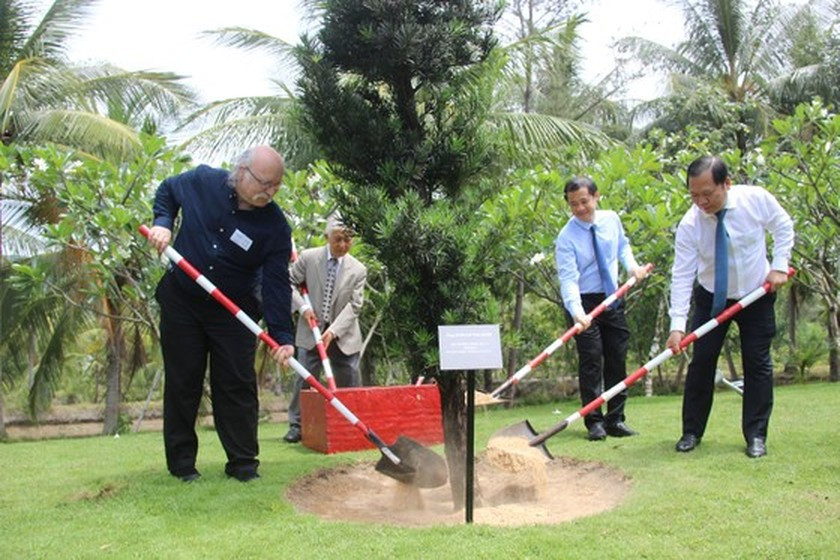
(512, 489)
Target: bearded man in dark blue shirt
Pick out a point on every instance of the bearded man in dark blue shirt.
(232, 231)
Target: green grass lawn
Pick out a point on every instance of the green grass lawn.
(111, 497)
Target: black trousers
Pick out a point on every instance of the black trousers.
(193, 330)
(757, 326)
(345, 369)
(602, 356)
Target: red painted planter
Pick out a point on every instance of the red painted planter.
(409, 410)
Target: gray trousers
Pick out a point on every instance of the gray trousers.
(345, 370)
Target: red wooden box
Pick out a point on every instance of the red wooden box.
(409, 410)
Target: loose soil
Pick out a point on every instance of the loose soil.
(513, 488)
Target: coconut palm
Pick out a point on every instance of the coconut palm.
(226, 127)
(46, 98)
(723, 70)
(814, 48)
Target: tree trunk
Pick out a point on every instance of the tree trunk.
(113, 372)
(454, 410)
(834, 349)
(793, 309)
(730, 361)
(513, 353)
(2, 408)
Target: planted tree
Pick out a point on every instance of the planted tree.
(396, 92)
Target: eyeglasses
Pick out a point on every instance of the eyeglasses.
(264, 184)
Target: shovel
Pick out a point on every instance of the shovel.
(564, 338)
(689, 339)
(522, 430)
(407, 461)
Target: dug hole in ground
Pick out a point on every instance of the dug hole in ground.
(515, 484)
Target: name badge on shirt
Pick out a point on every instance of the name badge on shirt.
(241, 239)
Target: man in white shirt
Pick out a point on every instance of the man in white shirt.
(732, 221)
(586, 279)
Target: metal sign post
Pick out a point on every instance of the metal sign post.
(469, 348)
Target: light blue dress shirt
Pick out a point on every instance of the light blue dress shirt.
(577, 269)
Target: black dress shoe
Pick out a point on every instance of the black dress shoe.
(756, 448)
(190, 476)
(597, 432)
(620, 429)
(687, 443)
(245, 475)
(293, 435)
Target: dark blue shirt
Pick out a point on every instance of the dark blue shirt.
(235, 249)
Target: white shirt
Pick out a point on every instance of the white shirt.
(751, 212)
(577, 268)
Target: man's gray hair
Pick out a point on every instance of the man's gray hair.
(335, 222)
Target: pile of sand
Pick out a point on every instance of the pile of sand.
(515, 485)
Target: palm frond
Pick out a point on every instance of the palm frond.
(252, 40)
(63, 20)
(139, 93)
(21, 236)
(89, 132)
(656, 55)
(535, 133)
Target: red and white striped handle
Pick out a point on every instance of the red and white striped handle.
(566, 336)
(243, 317)
(316, 332)
(702, 330)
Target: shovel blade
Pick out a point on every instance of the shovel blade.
(419, 466)
(525, 431)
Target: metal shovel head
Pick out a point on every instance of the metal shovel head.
(522, 430)
(419, 466)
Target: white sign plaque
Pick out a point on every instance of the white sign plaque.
(467, 347)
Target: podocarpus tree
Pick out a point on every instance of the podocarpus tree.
(395, 92)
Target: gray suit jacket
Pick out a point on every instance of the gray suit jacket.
(348, 296)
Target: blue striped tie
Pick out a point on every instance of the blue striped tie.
(721, 265)
(603, 269)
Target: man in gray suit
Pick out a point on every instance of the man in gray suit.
(336, 281)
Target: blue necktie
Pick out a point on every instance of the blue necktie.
(603, 270)
(721, 265)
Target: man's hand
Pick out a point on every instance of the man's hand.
(640, 273)
(309, 315)
(160, 237)
(777, 278)
(326, 338)
(281, 354)
(674, 340)
(584, 320)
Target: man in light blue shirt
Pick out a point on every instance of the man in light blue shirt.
(588, 250)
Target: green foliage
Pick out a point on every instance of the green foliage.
(100, 269)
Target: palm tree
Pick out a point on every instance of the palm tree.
(723, 70)
(227, 127)
(45, 98)
(814, 45)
